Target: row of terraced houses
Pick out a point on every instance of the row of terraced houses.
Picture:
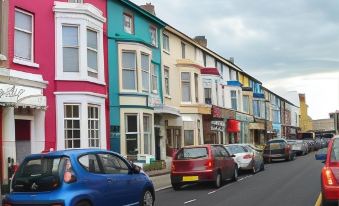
(110, 74)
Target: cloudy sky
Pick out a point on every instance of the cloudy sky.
(288, 45)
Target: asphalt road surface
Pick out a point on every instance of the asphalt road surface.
(294, 183)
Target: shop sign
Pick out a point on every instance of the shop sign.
(15, 93)
(244, 117)
(154, 100)
(216, 112)
(217, 126)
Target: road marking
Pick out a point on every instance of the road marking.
(211, 192)
(318, 202)
(189, 201)
(241, 179)
(163, 188)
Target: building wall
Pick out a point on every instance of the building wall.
(305, 120)
(323, 124)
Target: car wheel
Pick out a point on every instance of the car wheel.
(176, 186)
(83, 203)
(235, 174)
(262, 166)
(218, 180)
(147, 199)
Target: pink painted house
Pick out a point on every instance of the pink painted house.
(53, 77)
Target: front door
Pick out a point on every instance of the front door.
(157, 144)
(22, 139)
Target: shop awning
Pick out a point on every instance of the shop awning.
(256, 125)
(233, 126)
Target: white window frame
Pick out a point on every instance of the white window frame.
(95, 130)
(138, 49)
(188, 82)
(83, 99)
(89, 69)
(166, 81)
(18, 60)
(154, 31)
(234, 99)
(77, 47)
(149, 133)
(154, 78)
(188, 130)
(130, 29)
(143, 71)
(72, 118)
(86, 16)
(137, 115)
(130, 69)
(165, 38)
(247, 110)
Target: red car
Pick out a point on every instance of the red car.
(330, 172)
(204, 163)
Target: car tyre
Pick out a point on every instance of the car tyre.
(218, 180)
(147, 198)
(254, 170)
(176, 186)
(235, 174)
(83, 203)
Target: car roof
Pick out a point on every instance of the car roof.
(68, 152)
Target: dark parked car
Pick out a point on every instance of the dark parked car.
(82, 177)
(205, 163)
(278, 149)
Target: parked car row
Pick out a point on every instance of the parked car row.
(88, 177)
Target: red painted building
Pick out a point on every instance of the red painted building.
(53, 77)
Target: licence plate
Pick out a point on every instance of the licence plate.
(190, 178)
(275, 146)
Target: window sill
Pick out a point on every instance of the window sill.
(167, 52)
(81, 80)
(25, 62)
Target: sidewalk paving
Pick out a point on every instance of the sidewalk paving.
(160, 178)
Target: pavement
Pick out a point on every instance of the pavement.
(293, 183)
(160, 178)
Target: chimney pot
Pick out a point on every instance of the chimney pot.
(201, 40)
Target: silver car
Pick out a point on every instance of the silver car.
(247, 157)
(298, 146)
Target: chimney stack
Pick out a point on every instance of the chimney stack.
(201, 40)
(149, 8)
(232, 59)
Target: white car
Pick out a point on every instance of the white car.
(247, 156)
(298, 146)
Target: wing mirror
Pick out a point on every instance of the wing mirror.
(232, 155)
(136, 169)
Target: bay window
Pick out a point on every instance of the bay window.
(131, 134)
(147, 134)
(167, 83)
(145, 64)
(72, 126)
(93, 126)
(70, 47)
(92, 53)
(234, 100)
(154, 72)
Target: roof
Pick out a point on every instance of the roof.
(68, 152)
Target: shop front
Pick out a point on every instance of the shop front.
(258, 129)
(245, 120)
(214, 126)
(23, 118)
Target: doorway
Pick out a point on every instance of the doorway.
(173, 142)
(22, 139)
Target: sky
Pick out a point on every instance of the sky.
(290, 45)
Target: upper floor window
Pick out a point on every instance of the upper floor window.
(245, 99)
(166, 76)
(154, 80)
(70, 47)
(234, 101)
(153, 32)
(196, 86)
(233, 75)
(183, 50)
(92, 53)
(186, 86)
(23, 37)
(199, 56)
(208, 95)
(79, 43)
(165, 43)
(75, 1)
(145, 67)
(129, 75)
(128, 23)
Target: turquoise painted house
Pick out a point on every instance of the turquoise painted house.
(135, 79)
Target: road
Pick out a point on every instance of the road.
(294, 183)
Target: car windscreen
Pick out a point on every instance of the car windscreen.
(192, 153)
(335, 151)
(276, 144)
(235, 149)
(40, 174)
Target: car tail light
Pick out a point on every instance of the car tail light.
(6, 204)
(173, 167)
(248, 156)
(328, 176)
(287, 148)
(209, 164)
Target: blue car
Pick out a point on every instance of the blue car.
(80, 177)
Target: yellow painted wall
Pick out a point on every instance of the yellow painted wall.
(305, 120)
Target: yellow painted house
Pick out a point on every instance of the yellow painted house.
(305, 120)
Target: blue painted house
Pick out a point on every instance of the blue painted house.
(135, 88)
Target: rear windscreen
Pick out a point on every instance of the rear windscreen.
(36, 175)
(192, 153)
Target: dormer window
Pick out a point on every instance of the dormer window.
(128, 23)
